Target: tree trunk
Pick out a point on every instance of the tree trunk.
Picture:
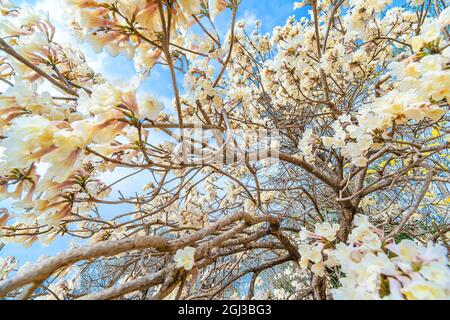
(348, 213)
(319, 285)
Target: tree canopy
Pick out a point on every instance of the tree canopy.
(309, 162)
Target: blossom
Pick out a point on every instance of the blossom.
(436, 272)
(327, 230)
(431, 31)
(407, 250)
(366, 237)
(444, 18)
(361, 221)
(4, 217)
(148, 107)
(361, 119)
(215, 7)
(7, 265)
(314, 255)
(411, 273)
(306, 145)
(318, 269)
(298, 5)
(416, 2)
(185, 258)
(421, 290)
(103, 100)
(305, 234)
(29, 139)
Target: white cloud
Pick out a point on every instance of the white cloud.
(249, 17)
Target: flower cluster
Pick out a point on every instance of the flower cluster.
(313, 254)
(356, 94)
(373, 267)
(135, 28)
(7, 265)
(32, 35)
(405, 270)
(421, 86)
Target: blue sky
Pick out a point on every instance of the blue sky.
(270, 13)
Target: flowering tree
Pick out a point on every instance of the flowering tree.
(318, 152)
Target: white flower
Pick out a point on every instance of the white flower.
(327, 230)
(305, 234)
(444, 18)
(267, 196)
(424, 290)
(366, 238)
(417, 43)
(434, 252)
(416, 2)
(306, 145)
(361, 221)
(149, 107)
(318, 269)
(407, 250)
(215, 7)
(6, 266)
(104, 98)
(298, 5)
(310, 253)
(431, 31)
(381, 261)
(436, 272)
(446, 52)
(184, 258)
(429, 63)
(360, 161)
(28, 140)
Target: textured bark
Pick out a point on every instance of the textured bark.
(319, 285)
(42, 271)
(347, 215)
